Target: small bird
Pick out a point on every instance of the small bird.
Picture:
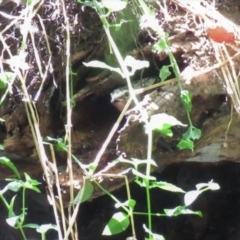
(120, 96)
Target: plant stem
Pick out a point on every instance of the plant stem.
(23, 213)
(148, 173)
(4, 201)
(23, 234)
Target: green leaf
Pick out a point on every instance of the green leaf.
(118, 223)
(162, 123)
(8, 163)
(88, 191)
(162, 45)
(189, 211)
(179, 211)
(185, 144)
(164, 73)
(192, 133)
(31, 2)
(140, 183)
(10, 209)
(31, 225)
(5, 77)
(144, 177)
(191, 196)
(129, 61)
(136, 162)
(186, 100)
(49, 139)
(32, 187)
(59, 142)
(31, 183)
(14, 185)
(45, 227)
(167, 186)
(61, 146)
(165, 132)
(92, 166)
(129, 203)
(174, 212)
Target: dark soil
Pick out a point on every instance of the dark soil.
(220, 209)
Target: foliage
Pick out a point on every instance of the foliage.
(161, 123)
(15, 185)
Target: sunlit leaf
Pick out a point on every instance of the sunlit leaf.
(162, 122)
(167, 186)
(173, 212)
(118, 223)
(179, 211)
(129, 203)
(135, 64)
(143, 176)
(213, 186)
(137, 162)
(98, 64)
(114, 6)
(13, 221)
(191, 196)
(15, 185)
(45, 227)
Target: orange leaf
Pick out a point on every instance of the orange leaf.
(220, 35)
